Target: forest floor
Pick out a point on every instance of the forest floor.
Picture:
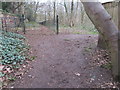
(63, 61)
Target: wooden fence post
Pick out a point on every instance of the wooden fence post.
(23, 23)
(57, 26)
(5, 24)
(119, 40)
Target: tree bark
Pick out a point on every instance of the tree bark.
(54, 10)
(119, 34)
(36, 8)
(66, 10)
(72, 15)
(104, 24)
(118, 15)
(101, 42)
(82, 15)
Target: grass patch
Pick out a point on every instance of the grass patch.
(76, 33)
(32, 58)
(87, 49)
(82, 29)
(92, 32)
(31, 24)
(107, 66)
(66, 39)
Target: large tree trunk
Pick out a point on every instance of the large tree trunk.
(101, 42)
(118, 15)
(104, 24)
(119, 35)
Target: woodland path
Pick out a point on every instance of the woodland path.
(61, 63)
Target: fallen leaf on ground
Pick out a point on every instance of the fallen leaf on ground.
(1, 68)
(77, 74)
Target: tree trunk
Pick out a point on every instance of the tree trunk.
(104, 24)
(82, 15)
(119, 35)
(101, 42)
(118, 15)
(66, 10)
(72, 15)
(35, 12)
(54, 10)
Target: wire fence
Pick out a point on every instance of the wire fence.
(13, 23)
(51, 24)
(9, 22)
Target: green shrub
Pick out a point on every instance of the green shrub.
(12, 48)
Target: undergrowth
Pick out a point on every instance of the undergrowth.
(13, 54)
(12, 48)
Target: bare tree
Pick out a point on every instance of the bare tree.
(36, 8)
(82, 14)
(66, 10)
(54, 9)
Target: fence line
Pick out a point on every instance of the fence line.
(9, 22)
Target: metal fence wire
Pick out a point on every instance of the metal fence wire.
(9, 22)
(51, 24)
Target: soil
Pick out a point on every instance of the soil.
(62, 62)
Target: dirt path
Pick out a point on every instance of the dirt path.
(60, 62)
